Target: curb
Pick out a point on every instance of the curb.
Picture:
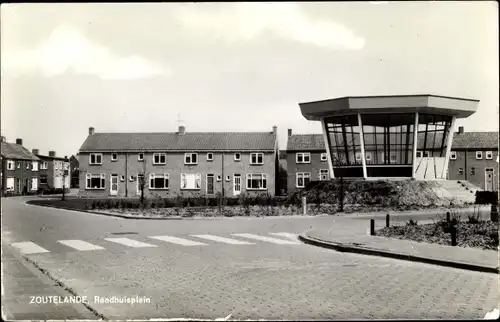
(382, 253)
(167, 218)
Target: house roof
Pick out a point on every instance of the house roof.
(466, 140)
(48, 157)
(189, 141)
(17, 152)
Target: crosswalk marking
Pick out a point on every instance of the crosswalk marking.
(176, 240)
(223, 240)
(29, 248)
(129, 242)
(286, 235)
(268, 239)
(80, 245)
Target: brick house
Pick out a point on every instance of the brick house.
(205, 164)
(474, 158)
(306, 160)
(19, 169)
(52, 169)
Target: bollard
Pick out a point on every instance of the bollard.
(372, 227)
(387, 221)
(304, 205)
(448, 219)
(453, 235)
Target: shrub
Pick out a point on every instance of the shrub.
(411, 222)
(486, 197)
(93, 205)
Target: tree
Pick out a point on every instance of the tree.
(337, 162)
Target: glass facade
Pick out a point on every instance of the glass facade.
(387, 140)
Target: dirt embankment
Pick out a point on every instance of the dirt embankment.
(377, 195)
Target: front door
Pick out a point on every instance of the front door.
(114, 185)
(488, 179)
(237, 184)
(34, 183)
(140, 183)
(210, 184)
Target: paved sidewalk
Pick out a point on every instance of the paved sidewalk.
(21, 281)
(359, 241)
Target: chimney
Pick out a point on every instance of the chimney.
(275, 129)
(91, 131)
(35, 151)
(289, 132)
(182, 129)
(65, 158)
(52, 153)
(460, 130)
(19, 141)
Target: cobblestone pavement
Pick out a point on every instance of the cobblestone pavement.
(260, 280)
(23, 286)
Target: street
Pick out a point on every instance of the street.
(248, 268)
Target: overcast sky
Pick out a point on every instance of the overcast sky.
(232, 66)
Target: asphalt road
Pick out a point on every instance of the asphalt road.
(246, 268)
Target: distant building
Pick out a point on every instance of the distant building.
(52, 171)
(474, 158)
(204, 164)
(19, 169)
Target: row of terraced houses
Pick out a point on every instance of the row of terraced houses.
(201, 163)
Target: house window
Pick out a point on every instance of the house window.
(237, 156)
(56, 165)
(140, 157)
(131, 178)
(43, 179)
(219, 178)
(10, 165)
(190, 158)
(460, 171)
(228, 178)
(159, 181)
(368, 156)
(392, 157)
(122, 178)
(323, 157)
(479, 155)
(302, 179)
(210, 156)
(426, 154)
(159, 158)
(303, 157)
(256, 158)
(419, 154)
(44, 165)
(95, 181)
(472, 171)
(35, 165)
(358, 156)
(323, 174)
(10, 184)
(95, 158)
(453, 155)
(114, 156)
(190, 181)
(256, 181)
(489, 155)
(27, 165)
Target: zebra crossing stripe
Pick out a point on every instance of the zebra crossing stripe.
(129, 242)
(80, 245)
(177, 240)
(223, 240)
(286, 235)
(268, 239)
(29, 248)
